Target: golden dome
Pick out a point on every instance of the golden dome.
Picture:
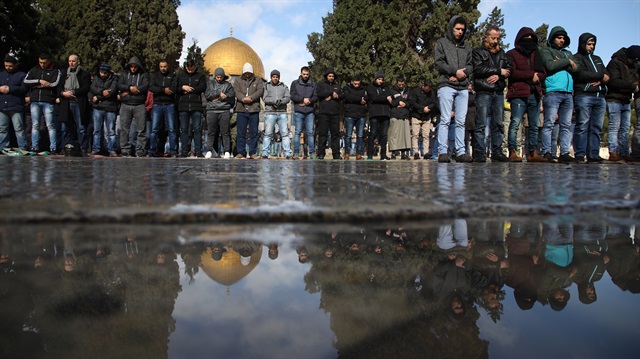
(229, 269)
(231, 54)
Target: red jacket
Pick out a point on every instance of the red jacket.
(520, 81)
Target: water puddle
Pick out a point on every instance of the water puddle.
(561, 286)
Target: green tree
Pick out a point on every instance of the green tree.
(194, 52)
(111, 31)
(541, 33)
(395, 36)
(18, 27)
(495, 18)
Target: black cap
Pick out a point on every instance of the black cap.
(11, 59)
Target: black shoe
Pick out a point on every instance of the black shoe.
(500, 157)
(417, 156)
(444, 158)
(581, 159)
(595, 160)
(393, 157)
(566, 158)
(480, 159)
(321, 157)
(199, 155)
(549, 157)
(464, 158)
(71, 151)
(384, 158)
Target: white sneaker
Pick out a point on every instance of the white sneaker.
(208, 154)
(227, 155)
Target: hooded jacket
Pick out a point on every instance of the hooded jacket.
(14, 100)
(590, 69)
(420, 99)
(248, 87)
(485, 65)
(38, 92)
(524, 67)
(325, 90)
(98, 86)
(301, 90)
(140, 80)
(276, 97)
(398, 95)
(379, 106)
(557, 63)
(353, 106)
(451, 56)
(622, 76)
(213, 91)
(159, 82)
(188, 102)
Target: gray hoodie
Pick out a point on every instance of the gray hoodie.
(275, 97)
(451, 56)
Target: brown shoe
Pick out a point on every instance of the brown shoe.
(513, 156)
(533, 156)
(614, 157)
(359, 158)
(345, 157)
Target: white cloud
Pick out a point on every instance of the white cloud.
(266, 26)
(486, 6)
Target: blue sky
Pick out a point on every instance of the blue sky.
(277, 29)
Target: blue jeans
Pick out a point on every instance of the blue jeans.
(450, 99)
(270, 122)
(619, 123)
(166, 112)
(306, 122)
(17, 119)
(589, 120)
(530, 105)
(560, 104)
(248, 120)
(37, 110)
(488, 105)
(349, 122)
(102, 118)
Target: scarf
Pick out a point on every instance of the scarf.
(529, 46)
(71, 81)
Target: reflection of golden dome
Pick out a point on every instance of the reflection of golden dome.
(231, 54)
(228, 270)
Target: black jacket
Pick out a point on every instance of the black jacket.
(379, 106)
(159, 82)
(485, 65)
(98, 86)
(353, 106)
(39, 93)
(191, 101)
(590, 69)
(420, 99)
(331, 106)
(140, 80)
(622, 77)
(398, 95)
(82, 97)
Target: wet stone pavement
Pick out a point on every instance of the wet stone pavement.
(170, 191)
(194, 258)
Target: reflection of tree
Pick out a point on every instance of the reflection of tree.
(108, 306)
(380, 304)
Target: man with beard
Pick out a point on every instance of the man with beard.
(329, 95)
(104, 89)
(491, 68)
